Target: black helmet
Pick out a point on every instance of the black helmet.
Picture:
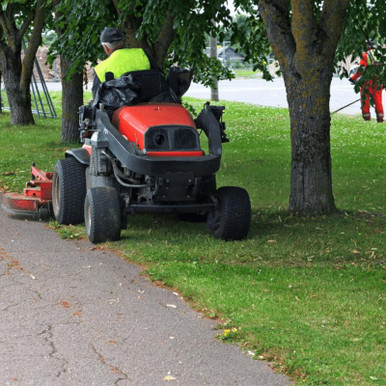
(110, 34)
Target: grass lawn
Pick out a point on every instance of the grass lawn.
(242, 73)
(306, 294)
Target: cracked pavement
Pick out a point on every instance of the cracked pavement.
(71, 314)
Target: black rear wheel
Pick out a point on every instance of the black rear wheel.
(102, 214)
(231, 217)
(68, 191)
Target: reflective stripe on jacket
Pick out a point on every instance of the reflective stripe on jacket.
(371, 58)
(121, 61)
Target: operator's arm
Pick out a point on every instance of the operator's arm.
(362, 64)
(95, 85)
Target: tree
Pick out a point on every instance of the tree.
(72, 76)
(213, 54)
(305, 46)
(304, 36)
(17, 18)
(168, 30)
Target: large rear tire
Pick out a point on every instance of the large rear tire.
(102, 214)
(68, 191)
(231, 217)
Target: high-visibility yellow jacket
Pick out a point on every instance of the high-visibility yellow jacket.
(122, 61)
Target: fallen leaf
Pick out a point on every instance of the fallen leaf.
(271, 241)
(169, 378)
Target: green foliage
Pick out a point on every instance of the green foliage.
(79, 24)
(49, 37)
(81, 21)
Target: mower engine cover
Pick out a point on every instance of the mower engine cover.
(148, 127)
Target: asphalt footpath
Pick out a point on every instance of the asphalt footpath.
(73, 314)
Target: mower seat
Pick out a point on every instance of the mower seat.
(133, 88)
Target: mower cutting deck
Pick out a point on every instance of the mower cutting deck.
(36, 198)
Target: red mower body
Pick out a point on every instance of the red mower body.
(37, 195)
(149, 127)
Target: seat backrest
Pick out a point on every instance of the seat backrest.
(135, 87)
(152, 83)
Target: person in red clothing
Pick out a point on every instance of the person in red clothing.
(371, 88)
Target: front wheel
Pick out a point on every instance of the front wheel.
(102, 214)
(68, 191)
(231, 217)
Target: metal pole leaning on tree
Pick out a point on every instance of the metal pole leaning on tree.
(357, 100)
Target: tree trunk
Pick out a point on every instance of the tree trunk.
(311, 182)
(214, 96)
(18, 93)
(72, 99)
(1, 99)
(305, 46)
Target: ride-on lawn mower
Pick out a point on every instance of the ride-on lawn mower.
(147, 158)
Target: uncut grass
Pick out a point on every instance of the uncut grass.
(22, 145)
(304, 292)
(320, 320)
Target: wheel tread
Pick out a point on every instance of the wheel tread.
(72, 187)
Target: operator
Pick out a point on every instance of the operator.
(371, 89)
(120, 60)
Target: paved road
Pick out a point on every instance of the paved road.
(261, 92)
(71, 314)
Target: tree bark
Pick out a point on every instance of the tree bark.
(305, 47)
(17, 71)
(159, 49)
(1, 99)
(214, 96)
(18, 93)
(311, 177)
(72, 99)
